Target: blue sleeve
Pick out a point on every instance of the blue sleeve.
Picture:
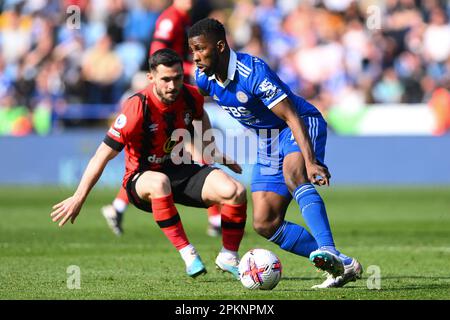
(266, 85)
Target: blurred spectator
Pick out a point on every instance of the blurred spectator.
(409, 69)
(436, 39)
(141, 19)
(241, 23)
(7, 77)
(255, 46)
(389, 89)
(15, 34)
(268, 16)
(170, 32)
(440, 103)
(101, 68)
(138, 83)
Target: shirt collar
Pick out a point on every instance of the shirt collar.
(231, 67)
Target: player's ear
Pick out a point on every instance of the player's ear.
(221, 46)
(151, 77)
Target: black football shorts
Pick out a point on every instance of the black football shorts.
(186, 182)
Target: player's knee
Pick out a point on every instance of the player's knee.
(241, 193)
(265, 228)
(294, 180)
(233, 192)
(158, 184)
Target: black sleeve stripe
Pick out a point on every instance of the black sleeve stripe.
(169, 222)
(113, 143)
(233, 225)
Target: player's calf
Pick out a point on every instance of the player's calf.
(233, 220)
(231, 194)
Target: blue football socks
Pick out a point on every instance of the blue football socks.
(314, 213)
(294, 238)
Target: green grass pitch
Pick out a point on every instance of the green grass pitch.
(405, 232)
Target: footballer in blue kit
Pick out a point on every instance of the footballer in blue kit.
(292, 136)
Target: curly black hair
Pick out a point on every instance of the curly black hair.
(209, 28)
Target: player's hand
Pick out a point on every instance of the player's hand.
(236, 168)
(318, 174)
(65, 210)
(230, 163)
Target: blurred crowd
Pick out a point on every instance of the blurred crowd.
(350, 52)
(58, 53)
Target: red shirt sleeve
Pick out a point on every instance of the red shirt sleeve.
(126, 125)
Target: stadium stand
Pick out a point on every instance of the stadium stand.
(57, 73)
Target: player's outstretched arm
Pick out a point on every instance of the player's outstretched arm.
(286, 112)
(70, 207)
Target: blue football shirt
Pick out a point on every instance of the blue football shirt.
(250, 91)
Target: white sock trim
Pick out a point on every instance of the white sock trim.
(228, 254)
(215, 220)
(119, 205)
(188, 254)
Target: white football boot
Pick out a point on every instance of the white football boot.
(113, 219)
(328, 261)
(228, 263)
(214, 226)
(352, 272)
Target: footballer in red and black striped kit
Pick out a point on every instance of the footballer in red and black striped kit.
(152, 181)
(170, 32)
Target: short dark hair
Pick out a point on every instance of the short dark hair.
(166, 57)
(208, 27)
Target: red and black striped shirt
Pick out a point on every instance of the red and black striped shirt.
(145, 126)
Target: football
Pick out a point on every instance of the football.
(260, 269)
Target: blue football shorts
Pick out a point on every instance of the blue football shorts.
(268, 171)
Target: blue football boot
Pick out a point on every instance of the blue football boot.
(196, 268)
(230, 265)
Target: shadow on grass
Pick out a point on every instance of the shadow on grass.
(416, 277)
(382, 278)
(301, 278)
(404, 288)
(361, 285)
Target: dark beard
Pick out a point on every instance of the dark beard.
(165, 100)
